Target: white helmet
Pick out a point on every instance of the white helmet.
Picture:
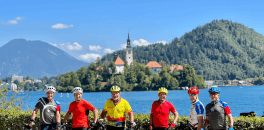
(77, 90)
(51, 88)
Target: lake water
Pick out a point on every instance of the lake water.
(245, 99)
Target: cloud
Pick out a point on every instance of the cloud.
(143, 42)
(14, 21)
(123, 46)
(163, 42)
(61, 26)
(88, 57)
(95, 48)
(108, 50)
(68, 46)
(19, 18)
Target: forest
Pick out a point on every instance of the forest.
(219, 50)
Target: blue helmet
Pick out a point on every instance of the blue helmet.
(214, 89)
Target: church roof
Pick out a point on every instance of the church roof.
(119, 61)
(153, 64)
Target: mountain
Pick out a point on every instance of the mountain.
(221, 49)
(35, 59)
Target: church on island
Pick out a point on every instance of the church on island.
(120, 64)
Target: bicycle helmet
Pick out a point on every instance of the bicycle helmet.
(162, 89)
(214, 89)
(193, 90)
(77, 90)
(115, 89)
(51, 88)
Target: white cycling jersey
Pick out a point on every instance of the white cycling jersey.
(197, 110)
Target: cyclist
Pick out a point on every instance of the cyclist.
(49, 111)
(160, 111)
(115, 109)
(217, 110)
(197, 109)
(80, 110)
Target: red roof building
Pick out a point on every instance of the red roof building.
(119, 61)
(153, 64)
(178, 67)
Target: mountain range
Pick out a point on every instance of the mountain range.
(35, 59)
(218, 50)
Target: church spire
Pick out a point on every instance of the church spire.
(128, 41)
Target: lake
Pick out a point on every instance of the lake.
(245, 99)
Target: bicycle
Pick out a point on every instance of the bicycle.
(182, 126)
(25, 126)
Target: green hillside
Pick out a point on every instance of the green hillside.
(221, 49)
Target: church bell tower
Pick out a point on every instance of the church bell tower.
(129, 52)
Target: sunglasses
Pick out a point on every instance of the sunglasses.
(191, 95)
(214, 93)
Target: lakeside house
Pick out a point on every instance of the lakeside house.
(177, 67)
(12, 78)
(155, 66)
(12, 87)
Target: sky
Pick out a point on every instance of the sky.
(88, 29)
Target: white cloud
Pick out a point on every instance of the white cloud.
(163, 42)
(143, 42)
(68, 46)
(123, 46)
(61, 26)
(14, 21)
(88, 57)
(108, 50)
(95, 48)
(19, 18)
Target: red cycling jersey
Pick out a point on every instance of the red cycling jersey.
(78, 109)
(161, 113)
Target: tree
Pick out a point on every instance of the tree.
(74, 80)
(12, 102)
(174, 84)
(81, 74)
(148, 71)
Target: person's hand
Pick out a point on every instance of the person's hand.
(133, 123)
(31, 124)
(150, 127)
(172, 125)
(92, 124)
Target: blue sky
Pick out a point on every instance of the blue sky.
(86, 29)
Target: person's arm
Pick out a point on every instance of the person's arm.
(58, 119)
(230, 119)
(103, 114)
(200, 113)
(175, 119)
(95, 115)
(151, 121)
(200, 123)
(131, 116)
(66, 117)
(206, 121)
(33, 116)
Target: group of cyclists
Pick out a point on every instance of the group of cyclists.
(115, 108)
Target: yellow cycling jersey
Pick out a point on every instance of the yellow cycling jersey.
(116, 113)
